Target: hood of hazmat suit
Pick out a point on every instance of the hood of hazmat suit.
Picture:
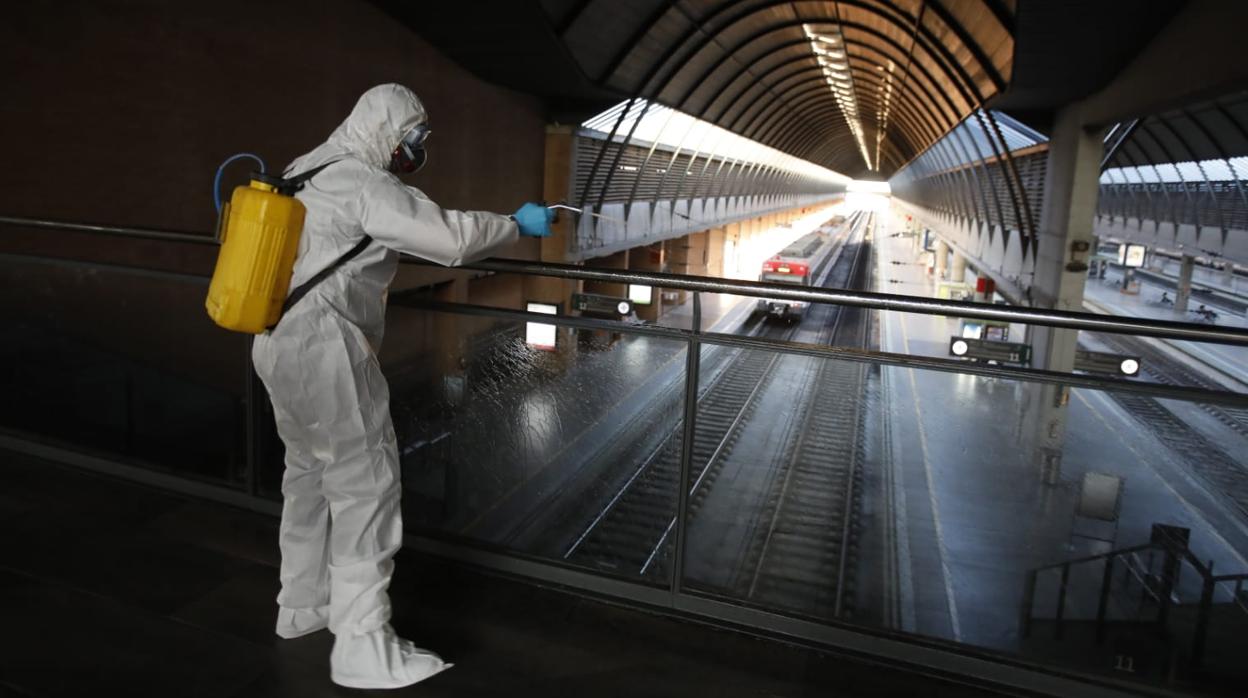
(330, 400)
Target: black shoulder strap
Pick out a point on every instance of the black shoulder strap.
(302, 290)
(296, 183)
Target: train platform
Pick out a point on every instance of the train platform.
(1227, 365)
(1213, 284)
(721, 312)
(113, 587)
(971, 511)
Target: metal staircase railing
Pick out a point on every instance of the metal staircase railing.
(1160, 585)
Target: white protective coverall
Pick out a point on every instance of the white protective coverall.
(340, 520)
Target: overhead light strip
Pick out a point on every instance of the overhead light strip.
(833, 57)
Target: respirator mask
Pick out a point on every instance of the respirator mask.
(409, 155)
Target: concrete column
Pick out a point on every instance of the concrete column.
(619, 260)
(1184, 294)
(715, 252)
(1066, 242)
(942, 258)
(1228, 276)
(674, 256)
(649, 258)
(957, 272)
(556, 183)
(732, 264)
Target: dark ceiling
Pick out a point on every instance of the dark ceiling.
(859, 86)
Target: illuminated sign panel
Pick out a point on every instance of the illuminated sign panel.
(1131, 255)
(540, 335)
(988, 350)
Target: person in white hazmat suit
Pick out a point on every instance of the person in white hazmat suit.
(340, 522)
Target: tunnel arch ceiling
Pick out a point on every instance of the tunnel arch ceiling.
(857, 86)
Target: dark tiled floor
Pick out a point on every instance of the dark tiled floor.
(108, 586)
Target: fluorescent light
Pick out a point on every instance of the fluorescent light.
(639, 294)
(540, 335)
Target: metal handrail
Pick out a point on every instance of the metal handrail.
(1093, 558)
(1175, 555)
(880, 301)
(759, 289)
(824, 351)
(120, 231)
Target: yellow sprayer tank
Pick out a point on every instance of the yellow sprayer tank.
(260, 230)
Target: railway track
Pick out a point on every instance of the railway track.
(633, 533)
(630, 534)
(805, 558)
(1220, 470)
(1165, 369)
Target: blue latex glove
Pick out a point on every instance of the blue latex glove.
(534, 220)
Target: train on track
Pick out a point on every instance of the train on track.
(797, 264)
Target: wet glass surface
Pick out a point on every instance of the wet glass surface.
(124, 365)
(564, 455)
(773, 486)
(942, 505)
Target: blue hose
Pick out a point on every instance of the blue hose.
(216, 182)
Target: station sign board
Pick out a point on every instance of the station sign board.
(600, 305)
(1106, 363)
(990, 350)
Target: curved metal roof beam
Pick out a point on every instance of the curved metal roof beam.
(936, 50)
(788, 24)
(771, 131)
(845, 24)
(791, 126)
(818, 130)
(941, 56)
(968, 41)
(927, 99)
(931, 120)
(819, 94)
(821, 145)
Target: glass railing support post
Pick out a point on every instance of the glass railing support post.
(692, 368)
(1029, 596)
(1061, 602)
(1102, 606)
(1202, 620)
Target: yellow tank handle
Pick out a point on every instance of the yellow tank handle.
(223, 222)
(262, 186)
